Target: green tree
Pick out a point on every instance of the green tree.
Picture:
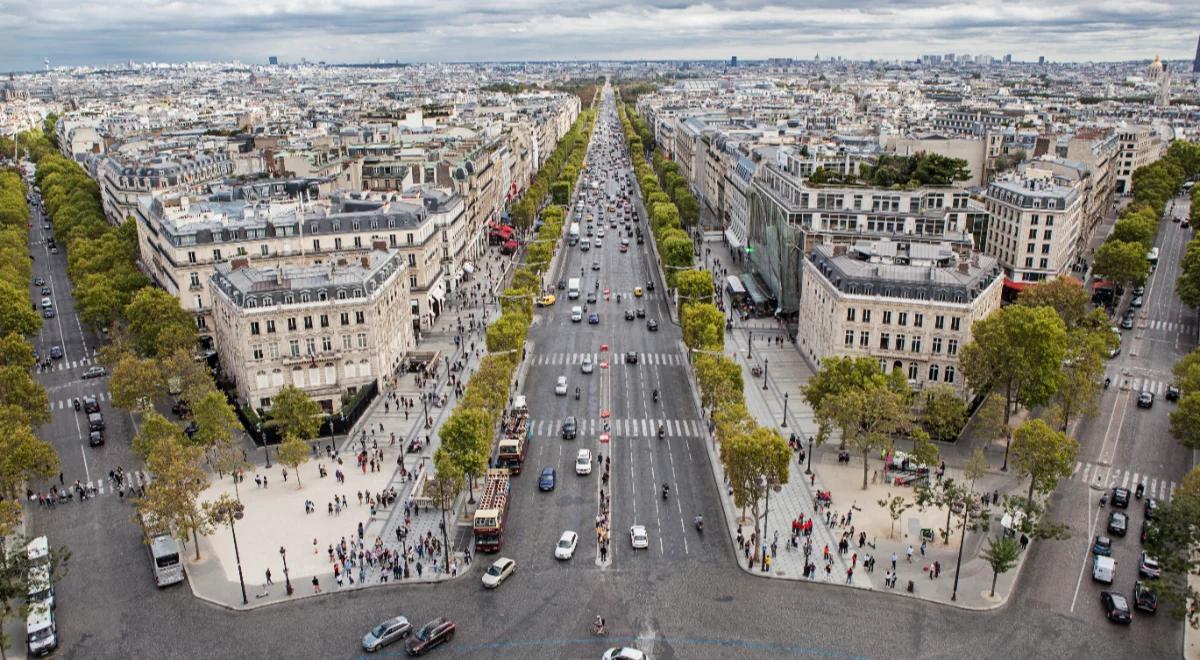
(15, 317)
(24, 457)
(1174, 540)
(157, 324)
(294, 414)
(869, 417)
(16, 352)
(173, 496)
(1188, 282)
(443, 489)
(1185, 420)
(720, 380)
(754, 462)
(1121, 262)
(467, 440)
(20, 391)
(703, 327)
(1064, 294)
(507, 333)
(895, 506)
(136, 383)
(1001, 555)
(155, 429)
(695, 286)
(1044, 455)
(1187, 372)
(677, 254)
(294, 452)
(1081, 373)
(561, 190)
(1135, 230)
(838, 374)
(945, 413)
(1017, 352)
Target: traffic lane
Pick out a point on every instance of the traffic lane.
(1147, 449)
(62, 330)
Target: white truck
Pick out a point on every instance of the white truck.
(573, 288)
(573, 234)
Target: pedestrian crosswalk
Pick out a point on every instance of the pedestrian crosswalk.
(63, 365)
(62, 404)
(614, 358)
(1171, 326)
(1157, 387)
(1111, 477)
(624, 427)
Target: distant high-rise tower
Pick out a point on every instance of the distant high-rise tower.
(1041, 59)
(273, 60)
(1196, 62)
(733, 61)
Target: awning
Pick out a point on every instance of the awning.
(735, 286)
(1014, 285)
(733, 240)
(756, 294)
(469, 267)
(438, 292)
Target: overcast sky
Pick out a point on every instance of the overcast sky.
(69, 32)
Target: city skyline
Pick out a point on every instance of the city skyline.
(351, 31)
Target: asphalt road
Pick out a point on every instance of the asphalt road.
(684, 597)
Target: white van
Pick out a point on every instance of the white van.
(41, 635)
(576, 314)
(1103, 569)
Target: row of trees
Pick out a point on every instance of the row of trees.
(563, 166)
(922, 169)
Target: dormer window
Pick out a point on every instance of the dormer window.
(341, 294)
(322, 295)
(251, 302)
(303, 296)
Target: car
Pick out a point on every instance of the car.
(1145, 399)
(565, 548)
(576, 314)
(1173, 393)
(385, 633)
(591, 297)
(1146, 525)
(1148, 567)
(624, 248)
(1116, 608)
(595, 265)
(546, 300)
(1151, 508)
(53, 249)
(1144, 597)
(562, 284)
(652, 325)
(599, 234)
(583, 462)
(560, 386)
(593, 319)
(629, 315)
(46, 226)
(91, 405)
(1136, 302)
(547, 479)
(56, 352)
(435, 633)
(1120, 497)
(95, 438)
(623, 653)
(640, 240)
(37, 281)
(94, 372)
(650, 285)
(1102, 546)
(631, 357)
(500, 570)
(641, 312)
(587, 366)
(637, 291)
(1118, 523)
(599, 244)
(638, 537)
(1185, 224)
(46, 291)
(48, 313)
(624, 242)
(569, 428)
(1139, 291)
(1114, 352)
(1127, 323)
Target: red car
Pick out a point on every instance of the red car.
(435, 633)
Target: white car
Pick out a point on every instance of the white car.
(583, 462)
(566, 545)
(600, 233)
(498, 572)
(587, 365)
(560, 387)
(638, 537)
(624, 653)
(576, 314)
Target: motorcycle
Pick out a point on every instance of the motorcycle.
(655, 396)
(1107, 382)
(666, 488)
(576, 393)
(76, 404)
(1139, 491)
(699, 524)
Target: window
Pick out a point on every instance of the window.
(1032, 234)
(264, 250)
(885, 340)
(316, 245)
(337, 243)
(191, 257)
(952, 347)
(257, 351)
(294, 347)
(358, 241)
(254, 327)
(341, 294)
(345, 318)
(937, 345)
(1030, 248)
(949, 374)
(918, 320)
(326, 344)
(360, 317)
(347, 342)
(887, 317)
(308, 323)
(933, 372)
(939, 322)
(412, 260)
(291, 322)
(310, 346)
(849, 337)
(274, 347)
(271, 326)
(362, 340)
(864, 339)
(216, 255)
(850, 314)
(412, 281)
(916, 344)
(902, 318)
(1043, 263)
(866, 316)
(324, 320)
(899, 342)
(194, 278)
(912, 370)
(409, 238)
(954, 323)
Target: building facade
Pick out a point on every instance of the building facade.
(1035, 224)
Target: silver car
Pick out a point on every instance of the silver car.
(389, 631)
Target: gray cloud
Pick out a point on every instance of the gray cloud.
(69, 32)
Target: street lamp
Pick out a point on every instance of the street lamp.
(230, 511)
(286, 578)
(766, 363)
(808, 470)
(783, 425)
(750, 345)
(962, 537)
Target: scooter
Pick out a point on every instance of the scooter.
(1107, 382)
(1140, 490)
(76, 404)
(666, 488)
(699, 524)
(576, 393)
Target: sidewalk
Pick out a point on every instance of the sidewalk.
(275, 515)
(854, 514)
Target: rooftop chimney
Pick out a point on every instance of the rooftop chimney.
(366, 262)
(964, 268)
(239, 262)
(379, 245)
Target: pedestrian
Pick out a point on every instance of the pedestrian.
(269, 577)
(893, 561)
(285, 474)
(257, 480)
(922, 547)
(316, 585)
(909, 554)
(265, 481)
(937, 569)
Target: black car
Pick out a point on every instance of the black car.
(90, 405)
(56, 352)
(569, 428)
(629, 315)
(436, 632)
(1172, 393)
(650, 285)
(1151, 508)
(652, 325)
(591, 297)
(562, 284)
(1118, 523)
(631, 357)
(37, 281)
(1120, 497)
(1116, 608)
(1144, 597)
(96, 438)
(46, 291)
(48, 313)
(641, 313)
(1146, 399)
(1127, 323)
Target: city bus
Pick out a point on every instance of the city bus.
(1152, 257)
(41, 587)
(164, 553)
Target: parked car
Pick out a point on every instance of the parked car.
(1172, 393)
(499, 571)
(94, 372)
(1116, 608)
(1144, 597)
(1136, 302)
(1151, 508)
(1118, 523)
(389, 631)
(435, 633)
(1148, 567)
(1102, 546)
